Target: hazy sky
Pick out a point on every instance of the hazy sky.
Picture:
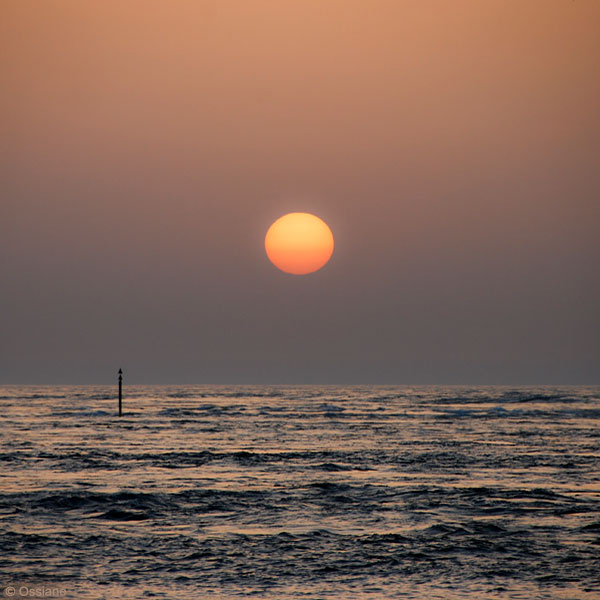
(452, 147)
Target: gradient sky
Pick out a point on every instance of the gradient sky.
(452, 147)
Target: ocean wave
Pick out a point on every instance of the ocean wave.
(332, 492)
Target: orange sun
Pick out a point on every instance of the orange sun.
(299, 243)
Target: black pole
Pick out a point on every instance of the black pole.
(120, 393)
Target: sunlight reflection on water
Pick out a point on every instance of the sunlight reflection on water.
(302, 492)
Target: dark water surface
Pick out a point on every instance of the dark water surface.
(301, 492)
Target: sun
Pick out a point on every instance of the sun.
(299, 243)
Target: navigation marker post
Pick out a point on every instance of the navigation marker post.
(120, 393)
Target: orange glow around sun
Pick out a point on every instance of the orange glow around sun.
(299, 243)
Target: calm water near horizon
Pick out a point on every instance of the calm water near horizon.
(282, 492)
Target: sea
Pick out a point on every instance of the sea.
(300, 492)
